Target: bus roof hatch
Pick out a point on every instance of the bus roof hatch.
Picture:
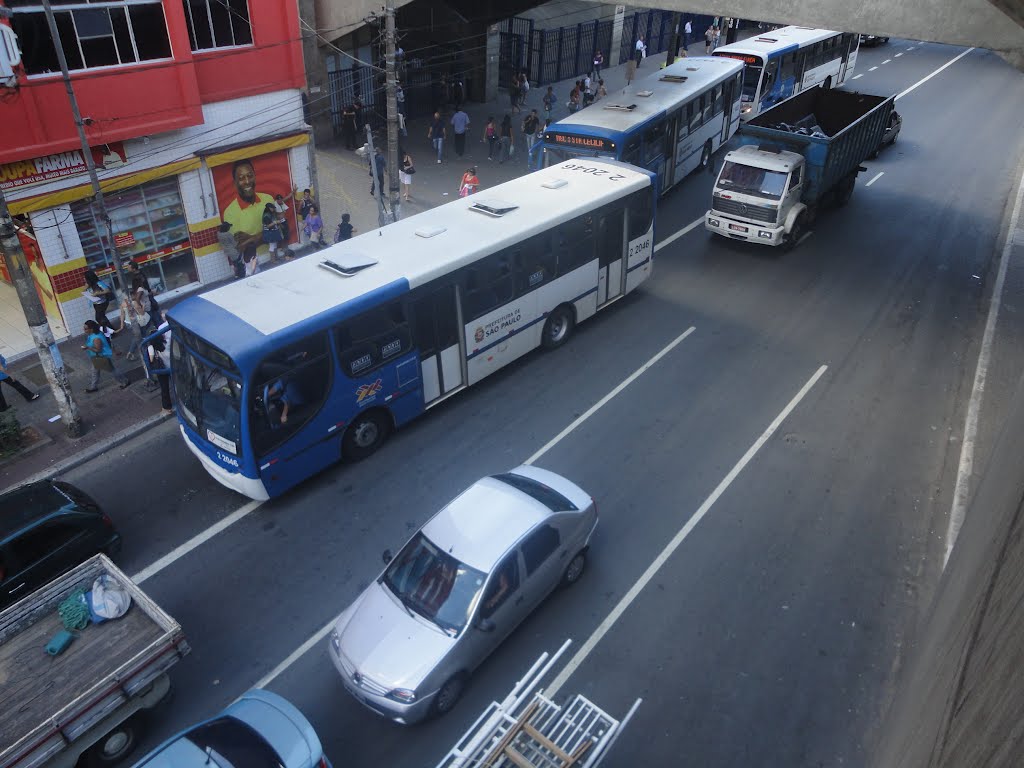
(348, 264)
(493, 207)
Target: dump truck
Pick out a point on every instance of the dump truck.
(86, 700)
(794, 159)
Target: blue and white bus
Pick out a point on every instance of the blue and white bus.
(281, 374)
(783, 62)
(670, 122)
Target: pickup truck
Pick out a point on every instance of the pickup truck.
(795, 158)
(83, 701)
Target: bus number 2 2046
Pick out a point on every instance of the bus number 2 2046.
(594, 171)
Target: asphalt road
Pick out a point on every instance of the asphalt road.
(773, 634)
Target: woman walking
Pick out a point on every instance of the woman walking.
(314, 228)
(490, 137)
(470, 183)
(506, 138)
(405, 175)
(101, 356)
(100, 295)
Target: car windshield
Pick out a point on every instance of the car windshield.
(208, 399)
(434, 584)
(231, 743)
(753, 181)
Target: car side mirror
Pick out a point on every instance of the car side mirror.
(387, 556)
(485, 625)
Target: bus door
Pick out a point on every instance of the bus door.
(669, 158)
(436, 335)
(611, 245)
(655, 158)
(728, 94)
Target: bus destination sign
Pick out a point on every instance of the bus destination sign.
(581, 142)
(745, 58)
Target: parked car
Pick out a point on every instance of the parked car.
(46, 529)
(892, 132)
(873, 40)
(260, 730)
(459, 587)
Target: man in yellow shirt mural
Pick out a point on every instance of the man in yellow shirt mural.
(245, 212)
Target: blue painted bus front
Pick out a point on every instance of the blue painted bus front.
(780, 89)
(395, 387)
(619, 139)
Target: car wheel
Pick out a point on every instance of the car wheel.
(557, 328)
(449, 694)
(117, 744)
(365, 435)
(574, 570)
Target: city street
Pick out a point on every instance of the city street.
(776, 485)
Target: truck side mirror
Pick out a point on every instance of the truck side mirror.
(387, 556)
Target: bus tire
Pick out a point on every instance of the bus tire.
(558, 327)
(828, 83)
(365, 435)
(705, 156)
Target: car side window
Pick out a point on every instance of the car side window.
(503, 583)
(38, 543)
(539, 546)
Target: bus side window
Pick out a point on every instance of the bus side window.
(631, 152)
(435, 325)
(770, 73)
(639, 214)
(694, 112)
(488, 284)
(706, 106)
(575, 243)
(536, 264)
(788, 69)
(654, 141)
(716, 98)
(369, 340)
(289, 388)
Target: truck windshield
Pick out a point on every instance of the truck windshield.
(208, 399)
(750, 180)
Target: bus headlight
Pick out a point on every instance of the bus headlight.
(765, 235)
(714, 222)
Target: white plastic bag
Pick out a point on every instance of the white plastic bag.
(109, 600)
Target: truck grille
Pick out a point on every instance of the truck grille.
(746, 210)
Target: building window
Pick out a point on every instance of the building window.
(92, 34)
(217, 23)
(150, 228)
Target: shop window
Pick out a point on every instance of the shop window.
(372, 339)
(116, 33)
(289, 388)
(217, 23)
(150, 227)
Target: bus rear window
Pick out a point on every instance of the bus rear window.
(537, 491)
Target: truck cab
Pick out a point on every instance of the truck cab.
(757, 195)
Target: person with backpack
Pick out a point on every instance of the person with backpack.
(101, 355)
(159, 357)
(100, 295)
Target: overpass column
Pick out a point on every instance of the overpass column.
(492, 71)
(616, 45)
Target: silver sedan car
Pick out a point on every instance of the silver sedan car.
(460, 585)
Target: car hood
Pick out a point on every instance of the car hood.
(386, 644)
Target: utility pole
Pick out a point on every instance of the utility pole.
(673, 47)
(392, 89)
(38, 325)
(90, 166)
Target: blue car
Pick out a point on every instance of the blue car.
(260, 730)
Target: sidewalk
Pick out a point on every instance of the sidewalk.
(113, 416)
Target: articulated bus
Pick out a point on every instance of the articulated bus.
(670, 122)
(283, 373)
(784, 62)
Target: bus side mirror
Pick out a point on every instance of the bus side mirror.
(387, 556)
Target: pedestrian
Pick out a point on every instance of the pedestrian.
(160, 367)
(530, 127)
(549, 102)
(349, 130)
(640, 52)
(490, 136)
(588, 93)
(400, 98)
(507, 139)
(229, 246)
(378, 163)
(345, 229)
(357, 105)
(458, 93)
(134, 270)
(101, 355)
(405, 175)
(601, 90)
(436, 133)
(6, 378)
(314, 229)
(687, 32)
(281, 209)
(718, 38)
(709, 39)
(470, 183)
(271, 230)
(598, 63)
(460, 123)
(574, 98)
(305, 203)
(100, 295)
(524, 88)
(514, 93)
(630, 71)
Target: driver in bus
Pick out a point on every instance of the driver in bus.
(284, 395)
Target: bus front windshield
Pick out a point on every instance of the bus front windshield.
(751, 80)
(208, 399)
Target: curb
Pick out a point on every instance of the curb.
(95, 451)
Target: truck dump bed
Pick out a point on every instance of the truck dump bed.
(851, 126)
(49, 701)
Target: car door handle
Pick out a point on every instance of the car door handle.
(12, 590)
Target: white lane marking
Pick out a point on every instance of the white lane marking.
(926, 78)
(200, 538)
(678, 539)
(860, 75)
(324, 631)
(911, 47)
(295, 655)
(899, 54)
(672, 238)
(604, 400)
(887, 61)
(872, 69)
(875, 178)
(962, 490)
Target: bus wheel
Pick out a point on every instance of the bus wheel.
(705, 157)
(828, 82)
(557, 328)
(365, 435)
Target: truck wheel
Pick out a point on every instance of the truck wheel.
(845, 191)
(365, 435)
(796, 232)
(705, 157)
(117, 744)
